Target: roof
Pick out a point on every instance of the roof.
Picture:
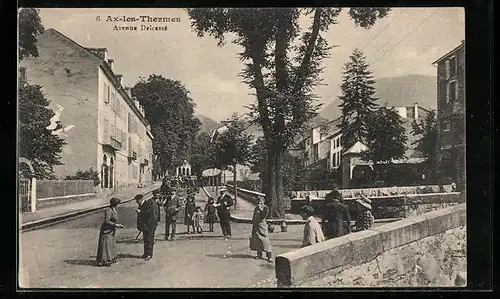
(107, 70)
(450, 53)
(357, 148)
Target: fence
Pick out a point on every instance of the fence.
(53, 188)
(24, 194)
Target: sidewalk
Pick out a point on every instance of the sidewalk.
(101, 200)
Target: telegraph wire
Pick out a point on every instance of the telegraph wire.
(421, 23)
(380, 32)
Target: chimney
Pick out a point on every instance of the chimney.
(128, 90)
(415, 106)
(120, 79)
(110, 63)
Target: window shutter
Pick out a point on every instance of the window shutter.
(456, 90)
(447, 69)
(447, 93)
(105, 94)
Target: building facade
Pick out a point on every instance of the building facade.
(109, 132)
(323, 150)
(451, 113)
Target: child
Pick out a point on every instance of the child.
(365, 219)
(189, 210)
(198, 220)
(211, 213)
(313, 233)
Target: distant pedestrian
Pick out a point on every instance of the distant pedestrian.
(335, 214)
(106, 247)
(189, 209)
(159, 202)
(259, 240)
(364, 219)
(147, 221)
(211, 214)
(223, 205)
(172, 205)
(198, 220)
(312, 230)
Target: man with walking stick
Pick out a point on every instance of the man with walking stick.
(147, 220)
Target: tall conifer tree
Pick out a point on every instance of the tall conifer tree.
(358, 99)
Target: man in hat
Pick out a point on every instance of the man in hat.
(223, 205)
(172, 207)
(159, 201)
(335, 214)
(365, 219)
(147, 221)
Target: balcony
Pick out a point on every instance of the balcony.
(132, 154)
(111, 142)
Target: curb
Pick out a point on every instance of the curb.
(37, 224)
(237, 219)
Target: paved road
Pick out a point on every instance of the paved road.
(63, 256)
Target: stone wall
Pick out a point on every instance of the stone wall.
(437, 261)
(432, 245)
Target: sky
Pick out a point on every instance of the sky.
(406, 42)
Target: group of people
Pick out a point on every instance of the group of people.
(335, 215)
(336, 219)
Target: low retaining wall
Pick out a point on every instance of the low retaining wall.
(293, 268)
(54, 201)
(252, 196)
(393, 206)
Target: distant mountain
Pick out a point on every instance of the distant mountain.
(397, 91)
(207, 124)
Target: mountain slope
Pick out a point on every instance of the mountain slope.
(397, 91)
(207, 124)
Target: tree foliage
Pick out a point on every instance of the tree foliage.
(170, 112)
(30, 26)
(36, 142)
(386, 137)
(426, 143)
(89, 174)
(358, 100)
(233, 146)
(201, 155)
(283, 65)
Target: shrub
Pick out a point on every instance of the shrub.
(85, 175)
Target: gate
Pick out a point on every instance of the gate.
(24, 194)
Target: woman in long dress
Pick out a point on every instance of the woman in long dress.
(259, 241)
(106, 248)
(189, 209)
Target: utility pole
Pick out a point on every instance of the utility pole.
(234, 182)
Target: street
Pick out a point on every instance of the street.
(62, 256)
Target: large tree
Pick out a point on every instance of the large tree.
(30, 26)
(426, 132)
(233, 146)
(201, 154)
(170, 111)
(282, 70)
(37, 143)
(386, 137)
(358, 100)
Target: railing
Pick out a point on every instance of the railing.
(53, 188)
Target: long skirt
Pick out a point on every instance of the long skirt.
(106, 248)
(259, 241)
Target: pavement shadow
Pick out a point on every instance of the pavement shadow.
(129, 241)
(128, 256)
(232, 256)
(82, 262)
(292, 246)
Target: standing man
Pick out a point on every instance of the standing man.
(172, 206)
(223, 205)
(335, 214)
(159, 201)
(148, 220)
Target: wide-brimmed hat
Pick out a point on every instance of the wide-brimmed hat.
(222, 189)
(138, 197)
(366, 199)
(114, 201)
(334, 194)
(363, 203)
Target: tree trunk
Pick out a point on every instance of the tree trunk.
(280, 194)
(235, 186)
(271, 197)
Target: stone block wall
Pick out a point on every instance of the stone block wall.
(432, 245)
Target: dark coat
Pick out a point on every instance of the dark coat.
(147, 218)
(336, 213)
(226, 202)
(188, 212)
(172, 207)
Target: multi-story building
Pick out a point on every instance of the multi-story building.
(451, 113)
(323, 150)
(108, 131)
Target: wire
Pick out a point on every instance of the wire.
(421, 23)
(378, 34)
